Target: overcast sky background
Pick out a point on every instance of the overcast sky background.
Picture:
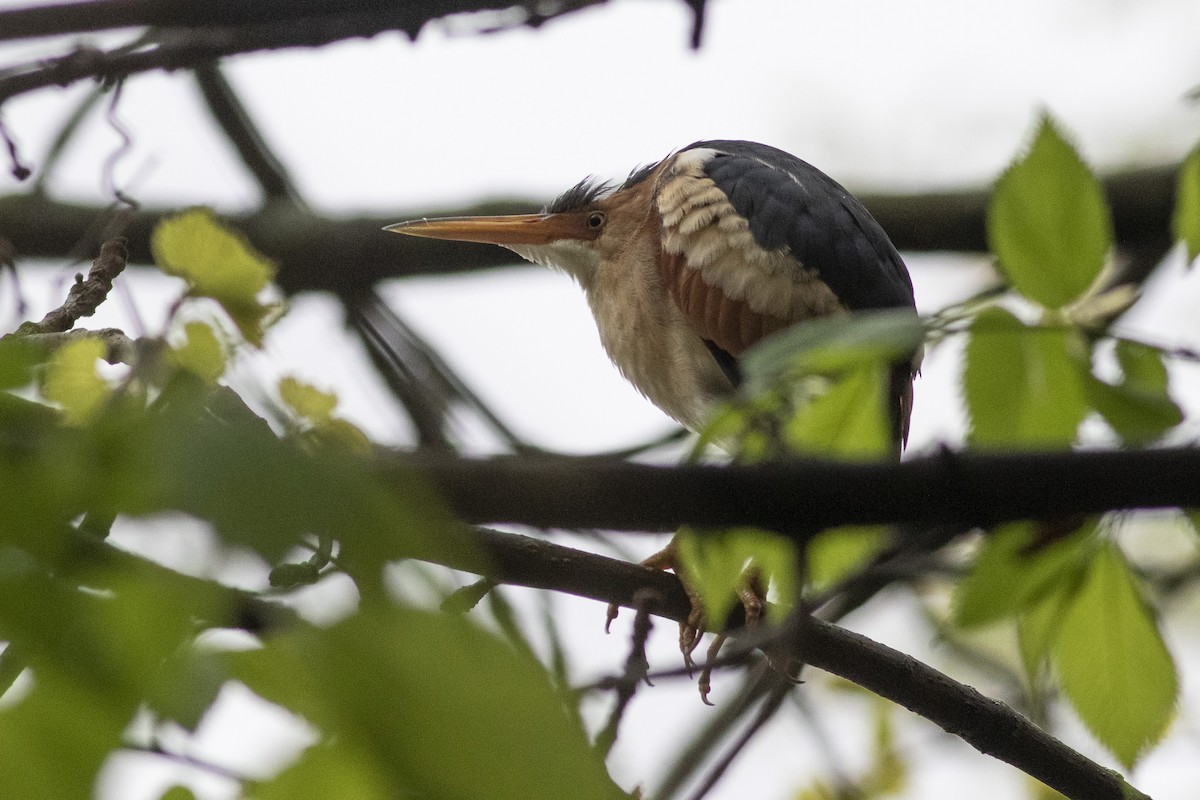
(880, 94)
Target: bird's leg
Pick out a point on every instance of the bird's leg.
(751, 593)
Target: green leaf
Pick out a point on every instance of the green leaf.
(178, 793)
(1022, 384)
(201, 352)
(331, 769)
(18, 357)
(72, 381)
(216, 262)
(848, 420)
(832, 344)
(435, 706)
(1139, 408)
(1038, 626)
(1185, 224)
(1112, 662)
(307, 401)
(1015, 571)
(719, 565)
(838, 552)
(1048, 221)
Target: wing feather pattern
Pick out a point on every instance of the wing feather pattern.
(755, 240)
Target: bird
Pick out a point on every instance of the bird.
(693, 259)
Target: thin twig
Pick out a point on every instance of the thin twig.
(637, 667)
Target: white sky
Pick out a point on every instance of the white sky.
(879, 93)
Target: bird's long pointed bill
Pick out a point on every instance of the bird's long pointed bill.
(525, 229)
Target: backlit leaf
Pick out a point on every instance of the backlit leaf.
(216, 262)
(836, 553)
(1139, 408)
(1048, 221)
(72, 381)
(1185, 223)
(849, 420)
(1022, 384)
(307, 401)
(1112, 662)
(1014, 571)
(435, 706)
(201, 352)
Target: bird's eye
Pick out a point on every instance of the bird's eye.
(595, 220)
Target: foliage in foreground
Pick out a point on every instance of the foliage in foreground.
(412, 702)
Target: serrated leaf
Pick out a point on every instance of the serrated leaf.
(307, 401)
(201, 352)
(1139, 408)
(1048, 221)
(1022, 385)
(72, 381)
(717, 564)
(849, 420)
(1185, 223)
(436, 705)
(1112, 662)
(216, 262)
(1014, 571)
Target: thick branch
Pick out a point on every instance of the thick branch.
(98, 15)
(987, 725)
(800, 498)
(344, 256)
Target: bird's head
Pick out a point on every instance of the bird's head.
(585, 226)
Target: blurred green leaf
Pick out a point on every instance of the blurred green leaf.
(436, 705)
(178, 793)
(848, 420)
(187, 685)
(838, 552)
(1037, 628)
(1048, 221)
(1022, 384)
(201, 352)
(1014, 571)
(832, 344)
(1139, 408)
(1185, 224)
(216, 262)
(719, 565)
(18, 357)
(72, 381)
(308, 402)
(328, 770)
(1112, 662)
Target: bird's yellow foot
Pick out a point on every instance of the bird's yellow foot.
(750, 592)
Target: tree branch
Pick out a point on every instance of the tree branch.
(987, 725)
(100, 15)
(308, 246)
(802, 497)
(85, 296)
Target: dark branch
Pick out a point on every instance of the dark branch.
(988, 725)
(242, 133)
(99, 15)
(964, 489)
(308, 246)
